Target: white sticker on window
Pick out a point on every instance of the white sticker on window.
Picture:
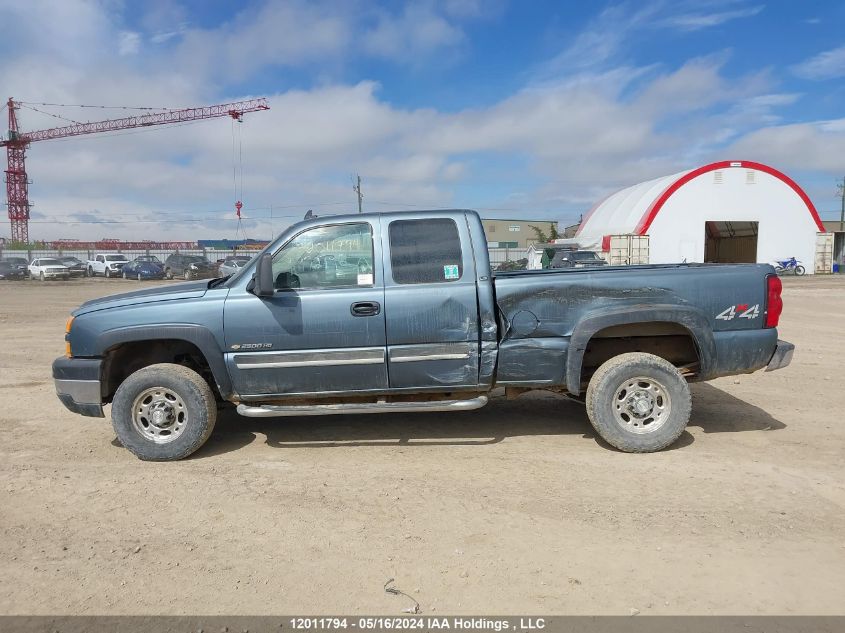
(365, 279)
(451, 272)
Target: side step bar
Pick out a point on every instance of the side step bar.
(271, 411)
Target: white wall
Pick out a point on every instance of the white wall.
(786, 228)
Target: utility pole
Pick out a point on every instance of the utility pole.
(842, 197)
(357, 190)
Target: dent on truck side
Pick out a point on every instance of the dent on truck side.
(548, 320)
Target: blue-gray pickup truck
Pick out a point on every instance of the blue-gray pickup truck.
(401, 312)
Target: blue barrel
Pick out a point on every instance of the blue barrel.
(836, 268)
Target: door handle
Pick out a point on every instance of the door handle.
(365, 308)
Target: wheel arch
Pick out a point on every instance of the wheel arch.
(690, 319)
(127, 350)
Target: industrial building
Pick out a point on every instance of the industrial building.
(730, 211)
(514, 233)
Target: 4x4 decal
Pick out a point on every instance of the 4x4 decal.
(740, 311)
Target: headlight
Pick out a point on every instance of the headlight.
(193, 266)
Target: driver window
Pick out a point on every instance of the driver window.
(334, 256)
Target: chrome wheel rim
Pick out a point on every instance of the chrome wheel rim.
(641, 405)
(159, 415)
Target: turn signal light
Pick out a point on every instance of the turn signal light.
(67, 336)
(774, 304)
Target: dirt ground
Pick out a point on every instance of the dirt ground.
(514, 508)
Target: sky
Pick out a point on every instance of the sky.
(529, 110)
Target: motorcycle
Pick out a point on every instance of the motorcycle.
(789, 265)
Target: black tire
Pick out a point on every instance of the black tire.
(107, 273)
(607, 411)
(168, 274)
(199, 408)
(800, 270)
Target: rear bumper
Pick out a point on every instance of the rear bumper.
(782, 356)
(78, 385)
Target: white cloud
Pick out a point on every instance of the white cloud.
(802, 146)
(698, 20)
(129, 43)
(827, 65)
(417, 30)
(558, 144)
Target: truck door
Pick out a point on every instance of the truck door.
(323, 330)
(430, 303)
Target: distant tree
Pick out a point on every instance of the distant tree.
(542, 236)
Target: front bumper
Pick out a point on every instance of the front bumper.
(78, 385)
(782, 356)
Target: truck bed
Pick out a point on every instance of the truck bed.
(722, 307)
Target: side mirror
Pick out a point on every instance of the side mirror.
(262, 280)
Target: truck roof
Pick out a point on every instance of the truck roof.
(374, 214)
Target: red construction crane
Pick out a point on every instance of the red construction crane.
(17, 184)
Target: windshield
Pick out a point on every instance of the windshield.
(195, 259)
(50, 262)
(116, 258)
(16, 260)
(70, 261)
(585, 256)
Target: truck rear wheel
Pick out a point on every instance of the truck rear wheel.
(163, 412)
(638, 402)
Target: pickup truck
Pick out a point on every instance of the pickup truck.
(106, 264)
(400, 312)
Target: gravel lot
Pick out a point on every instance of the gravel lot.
(515, 508)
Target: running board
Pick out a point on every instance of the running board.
(273, 410)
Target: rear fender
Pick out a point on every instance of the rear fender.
(692, 319)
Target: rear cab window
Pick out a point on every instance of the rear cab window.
(425, 251)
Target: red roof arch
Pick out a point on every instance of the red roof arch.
(655, 207)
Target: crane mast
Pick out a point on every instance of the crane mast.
(17, 182)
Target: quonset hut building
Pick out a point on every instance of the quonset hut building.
(730, 211)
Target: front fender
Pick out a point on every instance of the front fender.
(692, 319)
(198, 335)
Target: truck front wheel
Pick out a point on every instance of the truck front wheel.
(639, 403)
(163, 412)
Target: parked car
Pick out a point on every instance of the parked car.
(150, 258)
(576, 259)
(76, 266)
(141, 269)
(428, 328)
(106, 264)
(44, 268)
(188, 266)
(10, 271)
(21, 263)
(233, 264)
